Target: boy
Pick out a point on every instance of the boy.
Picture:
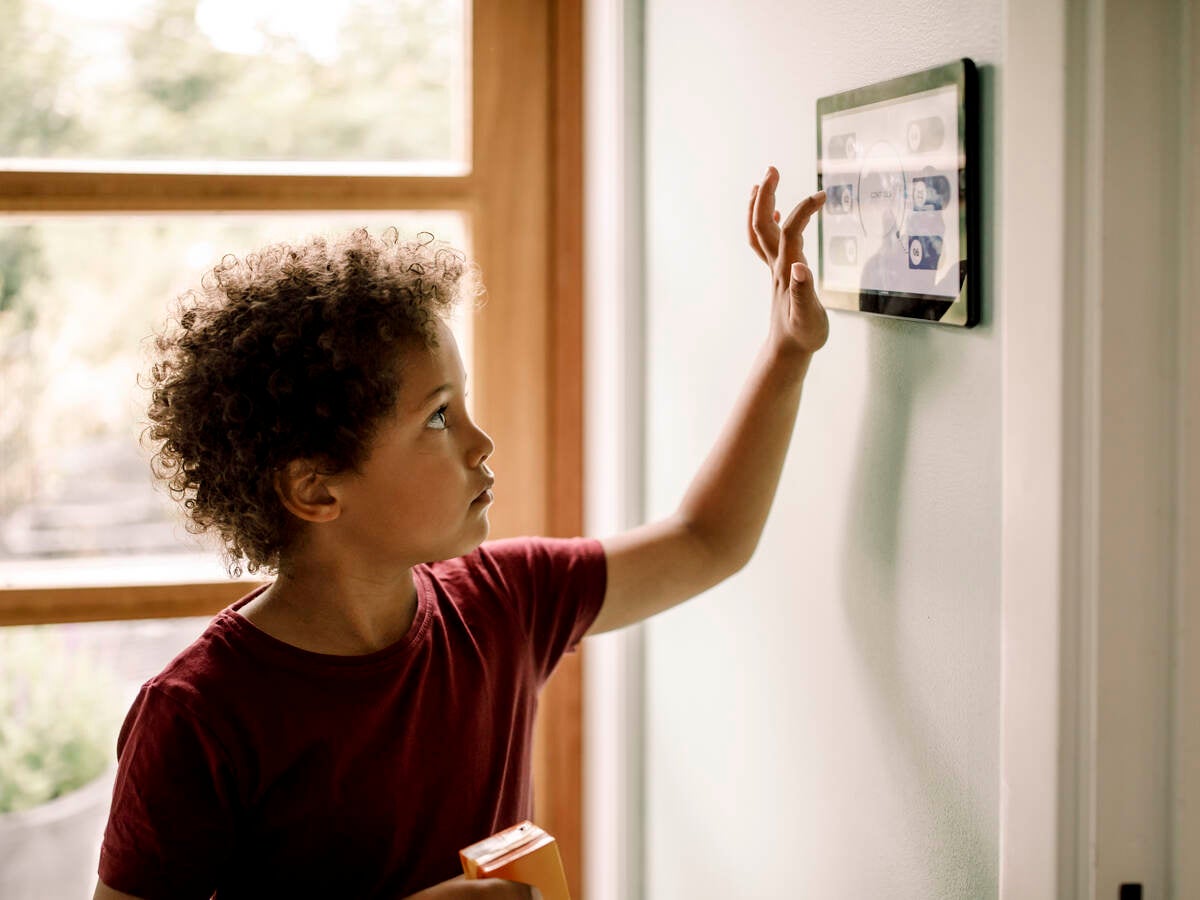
(344, 730)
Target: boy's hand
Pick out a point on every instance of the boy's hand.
(798, 320)
(462, 888)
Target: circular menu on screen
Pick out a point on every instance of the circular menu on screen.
(881, 190)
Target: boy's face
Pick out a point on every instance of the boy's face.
(417, 496)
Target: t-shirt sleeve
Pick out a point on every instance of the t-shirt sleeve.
(557, 586)
(170, 827)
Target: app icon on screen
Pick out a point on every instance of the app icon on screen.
(839, 198)
(924, 251)
(843, 146)
(843, 251)
(930, 192)
(925, 134)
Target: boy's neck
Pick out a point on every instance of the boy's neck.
(340, 616)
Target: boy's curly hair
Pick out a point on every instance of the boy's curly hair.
(288, 353)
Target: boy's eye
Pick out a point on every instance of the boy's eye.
(438, 420)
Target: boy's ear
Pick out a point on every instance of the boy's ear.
(302, 489)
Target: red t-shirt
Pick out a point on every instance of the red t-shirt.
(250, 768)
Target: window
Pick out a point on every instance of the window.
(237, 81)
(168, 131)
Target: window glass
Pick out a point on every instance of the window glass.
(216, 80)
(79, 299)
(64, 691)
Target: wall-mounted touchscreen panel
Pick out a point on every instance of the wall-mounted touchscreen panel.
(897, 161)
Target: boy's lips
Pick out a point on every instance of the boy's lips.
(486, 493)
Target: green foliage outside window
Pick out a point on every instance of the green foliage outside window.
(59, 718)
(157, 85)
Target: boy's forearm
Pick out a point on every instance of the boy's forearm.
(729, 498)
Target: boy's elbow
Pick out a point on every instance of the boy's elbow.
(741, 558)
(722, 555)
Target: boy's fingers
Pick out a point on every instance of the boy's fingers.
(754, 245)
(798, 218)
(764, 208)
(792, 240)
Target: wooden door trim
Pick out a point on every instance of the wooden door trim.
(529, 354)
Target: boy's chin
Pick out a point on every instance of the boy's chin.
(474, 535)
(487, 529)
(479, 534)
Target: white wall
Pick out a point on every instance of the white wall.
(827, 722)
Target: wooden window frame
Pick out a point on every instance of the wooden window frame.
(522, 197)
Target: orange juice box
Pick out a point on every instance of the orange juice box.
(523, 853)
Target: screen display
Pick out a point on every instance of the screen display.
(892, 199)
(898, 233)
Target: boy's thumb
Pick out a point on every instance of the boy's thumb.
(801, 275)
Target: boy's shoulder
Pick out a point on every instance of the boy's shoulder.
(527, 550)
(506, 563)
(214, 665)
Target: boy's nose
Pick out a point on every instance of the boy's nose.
(485, 447)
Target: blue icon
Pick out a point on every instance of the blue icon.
(930, 192)
(924, 251)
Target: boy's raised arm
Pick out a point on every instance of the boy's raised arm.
(714, 531)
